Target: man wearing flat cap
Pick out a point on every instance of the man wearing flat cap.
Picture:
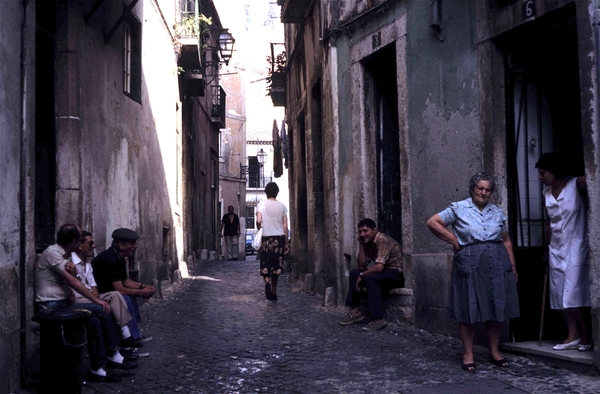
(110, 273)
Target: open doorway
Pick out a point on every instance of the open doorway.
(543, 115)
(382, 89)
(45, 132)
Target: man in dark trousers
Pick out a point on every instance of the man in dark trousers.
(230, 229)
(385, 273)
(110, 273)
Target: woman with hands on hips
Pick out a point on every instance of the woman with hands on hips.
(484, 275)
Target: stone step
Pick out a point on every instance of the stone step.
(399, 306)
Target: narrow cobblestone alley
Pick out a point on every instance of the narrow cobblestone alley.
(216, 333)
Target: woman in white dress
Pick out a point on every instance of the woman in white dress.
(568, 249)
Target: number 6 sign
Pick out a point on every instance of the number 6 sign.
(528, 9)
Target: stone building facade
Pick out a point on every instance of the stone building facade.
(393, 105)
(100, 127)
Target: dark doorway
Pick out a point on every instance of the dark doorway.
(381, 70)
(45, 134)
(543, 115)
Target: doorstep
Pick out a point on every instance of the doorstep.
(546, 352)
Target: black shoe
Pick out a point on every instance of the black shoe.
(130, 342)
(129, 355)
(268, 290)
(109, 378)
(124, 365)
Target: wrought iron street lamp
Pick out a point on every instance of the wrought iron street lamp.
(262, 159)
(226, 42)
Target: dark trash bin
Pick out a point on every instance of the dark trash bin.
(62, 341)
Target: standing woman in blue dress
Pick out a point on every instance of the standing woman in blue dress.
(569, 267)
(484, 275)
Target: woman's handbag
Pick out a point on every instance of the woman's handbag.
(257, 240)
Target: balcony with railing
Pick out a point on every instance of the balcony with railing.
(187, 31)
(217, 114)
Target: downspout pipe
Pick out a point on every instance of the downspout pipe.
(596, 25)
(23, 160)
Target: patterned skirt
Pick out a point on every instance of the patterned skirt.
(271, 255)
(483, 284)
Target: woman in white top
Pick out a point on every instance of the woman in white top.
(569, 269)
(271, 216)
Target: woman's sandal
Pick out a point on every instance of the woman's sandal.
(502, 363)
(468, 367)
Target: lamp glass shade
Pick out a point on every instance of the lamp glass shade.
(226, 42)
(261, 156)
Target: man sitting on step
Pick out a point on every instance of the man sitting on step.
(110, 273)
(386, 273)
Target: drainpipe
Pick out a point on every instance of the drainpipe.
(597, 43)
(23, 152)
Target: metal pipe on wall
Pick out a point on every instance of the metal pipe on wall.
(23, 151)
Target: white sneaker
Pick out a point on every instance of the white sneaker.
(568, 346)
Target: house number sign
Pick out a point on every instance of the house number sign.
(529, 11)
(376, 39)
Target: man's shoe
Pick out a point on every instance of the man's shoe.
(352, 318)
(139, 353)
(145, 339)
(109, 378)
(375, 325)
(568, 346)
(130, 342)
(128, 355)
(124, 365)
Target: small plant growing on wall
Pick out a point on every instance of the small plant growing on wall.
(276, 84)
(190, 26)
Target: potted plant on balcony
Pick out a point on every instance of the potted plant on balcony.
(276, 83)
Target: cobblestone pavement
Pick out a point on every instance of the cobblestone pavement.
(216, 333)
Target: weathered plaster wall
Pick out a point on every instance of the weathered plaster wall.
(120, 156)
(587, 16)
(445, 142)
(17, 51)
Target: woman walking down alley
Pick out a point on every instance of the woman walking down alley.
(569, 266)
(271, 217)
(484, 275)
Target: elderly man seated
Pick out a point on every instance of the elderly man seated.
(110, 272)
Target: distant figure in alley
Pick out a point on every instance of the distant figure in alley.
(230, 231)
